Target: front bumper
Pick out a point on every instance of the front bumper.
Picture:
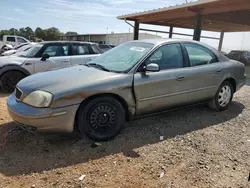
(44, 119)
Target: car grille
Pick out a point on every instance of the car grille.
(18, 93)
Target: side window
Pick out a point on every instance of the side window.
(11, 39)
(80, 49)
(95, 49)
(20, 40)
(167, 57)
(199, 55)
(56, 50)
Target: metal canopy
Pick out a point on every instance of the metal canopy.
(214, 15)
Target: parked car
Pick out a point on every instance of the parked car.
(5, 48)
(13, 40)
(19, 48)
(133, 79)
(240, 55)
(224, 53)
(105, 47)
(42, 57)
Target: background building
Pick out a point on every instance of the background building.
(113, 38)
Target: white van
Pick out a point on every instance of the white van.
(13, 40)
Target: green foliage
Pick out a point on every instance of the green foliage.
(49, 34)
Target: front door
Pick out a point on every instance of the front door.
(155, 91)
(58, 58)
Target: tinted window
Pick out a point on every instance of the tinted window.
(80, 49)
(199, 55)
(167, 57)
(11, 39)
(21, 40)
(56, 50)
(95, 49)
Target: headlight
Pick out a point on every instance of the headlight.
(40, 99)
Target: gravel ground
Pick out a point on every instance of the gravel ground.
(201, 148)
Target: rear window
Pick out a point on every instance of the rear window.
(11, 39)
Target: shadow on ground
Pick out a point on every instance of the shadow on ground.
(26, 152)
(2, 94)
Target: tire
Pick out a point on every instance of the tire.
(223, 97)
(101, 119)
(9, 80)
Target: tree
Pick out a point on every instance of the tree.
(39, 33)
(22, 32)
(13, 31)
(70, 33)
(29, 32)
(45, 34)
(4, 32)
(52, 34)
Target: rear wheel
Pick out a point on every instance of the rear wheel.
(101, 119)
(223, 97)
(9, 80)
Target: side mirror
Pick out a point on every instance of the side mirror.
(152, 67)
(44, 57)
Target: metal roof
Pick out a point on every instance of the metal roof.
(218, 15)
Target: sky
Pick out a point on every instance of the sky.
(96, 16)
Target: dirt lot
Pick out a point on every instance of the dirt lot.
(201, 148)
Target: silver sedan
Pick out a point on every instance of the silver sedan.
(132, 79)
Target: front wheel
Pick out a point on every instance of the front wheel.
(9, 80)
(101, 119)
(223, 97)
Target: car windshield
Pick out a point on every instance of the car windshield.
(24, 48)
(19, 46)
(32, 51)
(123, 57)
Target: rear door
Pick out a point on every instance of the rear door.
(82, 53)
(59, 57)
(204, 74)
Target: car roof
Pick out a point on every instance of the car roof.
(159, 41)
(239, 51)
(71, 42)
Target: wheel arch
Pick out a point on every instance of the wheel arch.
(8, 68)
(115, 96)
(232, 81)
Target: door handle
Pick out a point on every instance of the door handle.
(65, 61)
(218, 71)
(180, 78)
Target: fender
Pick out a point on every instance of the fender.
(7, 68)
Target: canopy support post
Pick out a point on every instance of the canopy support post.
(221, 40)
(136, 30)
(198, 27)
(170, 32)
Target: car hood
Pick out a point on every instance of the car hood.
(65, 80)
(9, 52)
(11, 60)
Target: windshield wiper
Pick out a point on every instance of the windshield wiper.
(98, 66)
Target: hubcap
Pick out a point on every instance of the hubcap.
(102, 118)
(224, 96)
